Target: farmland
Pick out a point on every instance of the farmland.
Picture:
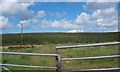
(58, 38)
(46, 42)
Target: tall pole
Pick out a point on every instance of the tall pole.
(21, 33)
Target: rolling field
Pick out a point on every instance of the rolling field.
(59, 38)
(46, 43)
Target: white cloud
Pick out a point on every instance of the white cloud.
(107, 22)
(100, 19)
(14, 8)
(99, 5)
(27, 4)
(4, 23)
(96, 14)
(82, 23)
(74, 31)
(41, 14)
(82, 18)
(24, 24)
(45, 22)
(61, 24)
(104, 15)
(110, 10)
(41, 24)
(105, 18)
(35, 21)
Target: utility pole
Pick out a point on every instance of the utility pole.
(22, 33)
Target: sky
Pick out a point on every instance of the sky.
(58, 16)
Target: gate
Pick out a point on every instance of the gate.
(88, 58)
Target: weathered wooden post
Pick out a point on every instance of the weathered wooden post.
(58, 62)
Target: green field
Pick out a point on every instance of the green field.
(59, 38)
(46, 43)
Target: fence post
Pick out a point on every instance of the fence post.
(58, 62)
